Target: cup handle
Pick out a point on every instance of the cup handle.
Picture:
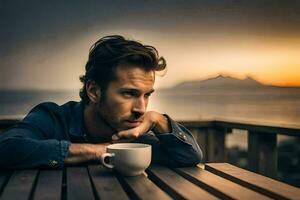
(103, 156)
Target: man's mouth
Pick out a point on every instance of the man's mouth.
(134, 123)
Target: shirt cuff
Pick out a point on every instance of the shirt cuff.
(64, 148)
(56, 160)
(176, 135)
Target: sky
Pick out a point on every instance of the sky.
(45, 44)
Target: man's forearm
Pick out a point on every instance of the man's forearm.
(80, 153)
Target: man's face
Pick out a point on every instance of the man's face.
(126, 98)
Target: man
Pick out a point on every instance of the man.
(118, 82)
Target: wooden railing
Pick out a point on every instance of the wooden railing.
(262, 142)
(211, 135)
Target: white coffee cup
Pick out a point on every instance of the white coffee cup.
(129, 159)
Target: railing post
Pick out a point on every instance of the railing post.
(200, 137)
(262, 153)
(215, 144)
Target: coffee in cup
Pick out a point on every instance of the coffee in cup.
(129, 159)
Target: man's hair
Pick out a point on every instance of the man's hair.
(112, 51)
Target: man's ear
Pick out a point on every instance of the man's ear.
(93, 91)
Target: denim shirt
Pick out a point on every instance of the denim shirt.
(43, 137)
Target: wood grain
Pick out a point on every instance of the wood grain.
(142, 188)
(49, 185)
(78, 184)
(106, 184)
(20, 185)
(177, 186)
(259, 183)
(221, 187)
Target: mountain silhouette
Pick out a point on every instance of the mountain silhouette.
(228, 84)
(220, 81)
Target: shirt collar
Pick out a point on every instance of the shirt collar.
(76, 127)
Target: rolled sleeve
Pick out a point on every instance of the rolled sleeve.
(19, 152)
(49, 154)
(37, 141)
(64, 147)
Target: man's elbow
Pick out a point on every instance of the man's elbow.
(189, 159)
(194, 159)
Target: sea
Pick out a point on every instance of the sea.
(275, 108)
(278, 109)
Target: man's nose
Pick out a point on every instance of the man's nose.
(140, 106)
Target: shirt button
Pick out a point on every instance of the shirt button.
(53, 163)
(182, 136)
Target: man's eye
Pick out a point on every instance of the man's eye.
(127, 94)
(148, 95)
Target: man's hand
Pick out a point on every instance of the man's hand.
(152, 120)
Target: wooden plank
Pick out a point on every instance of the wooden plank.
(49, 185)
(197, 124)
(140, 187)
(106, 184)
(20, 185)
(251, 126)
(264, 128)
(217, 185)
(78, 184)
(259, 183)
(262, 151)
(175, 185)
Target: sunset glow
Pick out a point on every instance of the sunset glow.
(271, 62)
(200, 40)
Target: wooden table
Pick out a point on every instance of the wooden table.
(217, 181)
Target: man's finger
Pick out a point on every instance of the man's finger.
(120, 135)
(131, 133)
(115, 137)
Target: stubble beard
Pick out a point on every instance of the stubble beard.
(103, 115)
